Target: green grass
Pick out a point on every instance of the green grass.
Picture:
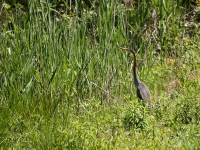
(66, 85)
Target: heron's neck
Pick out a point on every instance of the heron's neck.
(135, 76)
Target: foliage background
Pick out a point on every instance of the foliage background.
(65, 85)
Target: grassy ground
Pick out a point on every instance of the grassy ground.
(66, 85)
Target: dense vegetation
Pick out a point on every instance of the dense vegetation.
(64, 84)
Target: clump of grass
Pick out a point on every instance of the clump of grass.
(135, 117)
(65, 85)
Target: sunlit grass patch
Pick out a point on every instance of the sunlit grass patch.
(65, 85)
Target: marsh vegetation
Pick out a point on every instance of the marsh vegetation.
(64, 84)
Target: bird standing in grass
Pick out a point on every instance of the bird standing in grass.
(141, 89)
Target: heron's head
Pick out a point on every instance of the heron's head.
(127, 49)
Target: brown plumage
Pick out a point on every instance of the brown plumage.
(141, 89)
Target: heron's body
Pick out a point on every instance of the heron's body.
(141, 89)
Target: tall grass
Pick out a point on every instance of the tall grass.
(65, 85)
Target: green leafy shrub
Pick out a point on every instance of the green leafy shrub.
(135, 118)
